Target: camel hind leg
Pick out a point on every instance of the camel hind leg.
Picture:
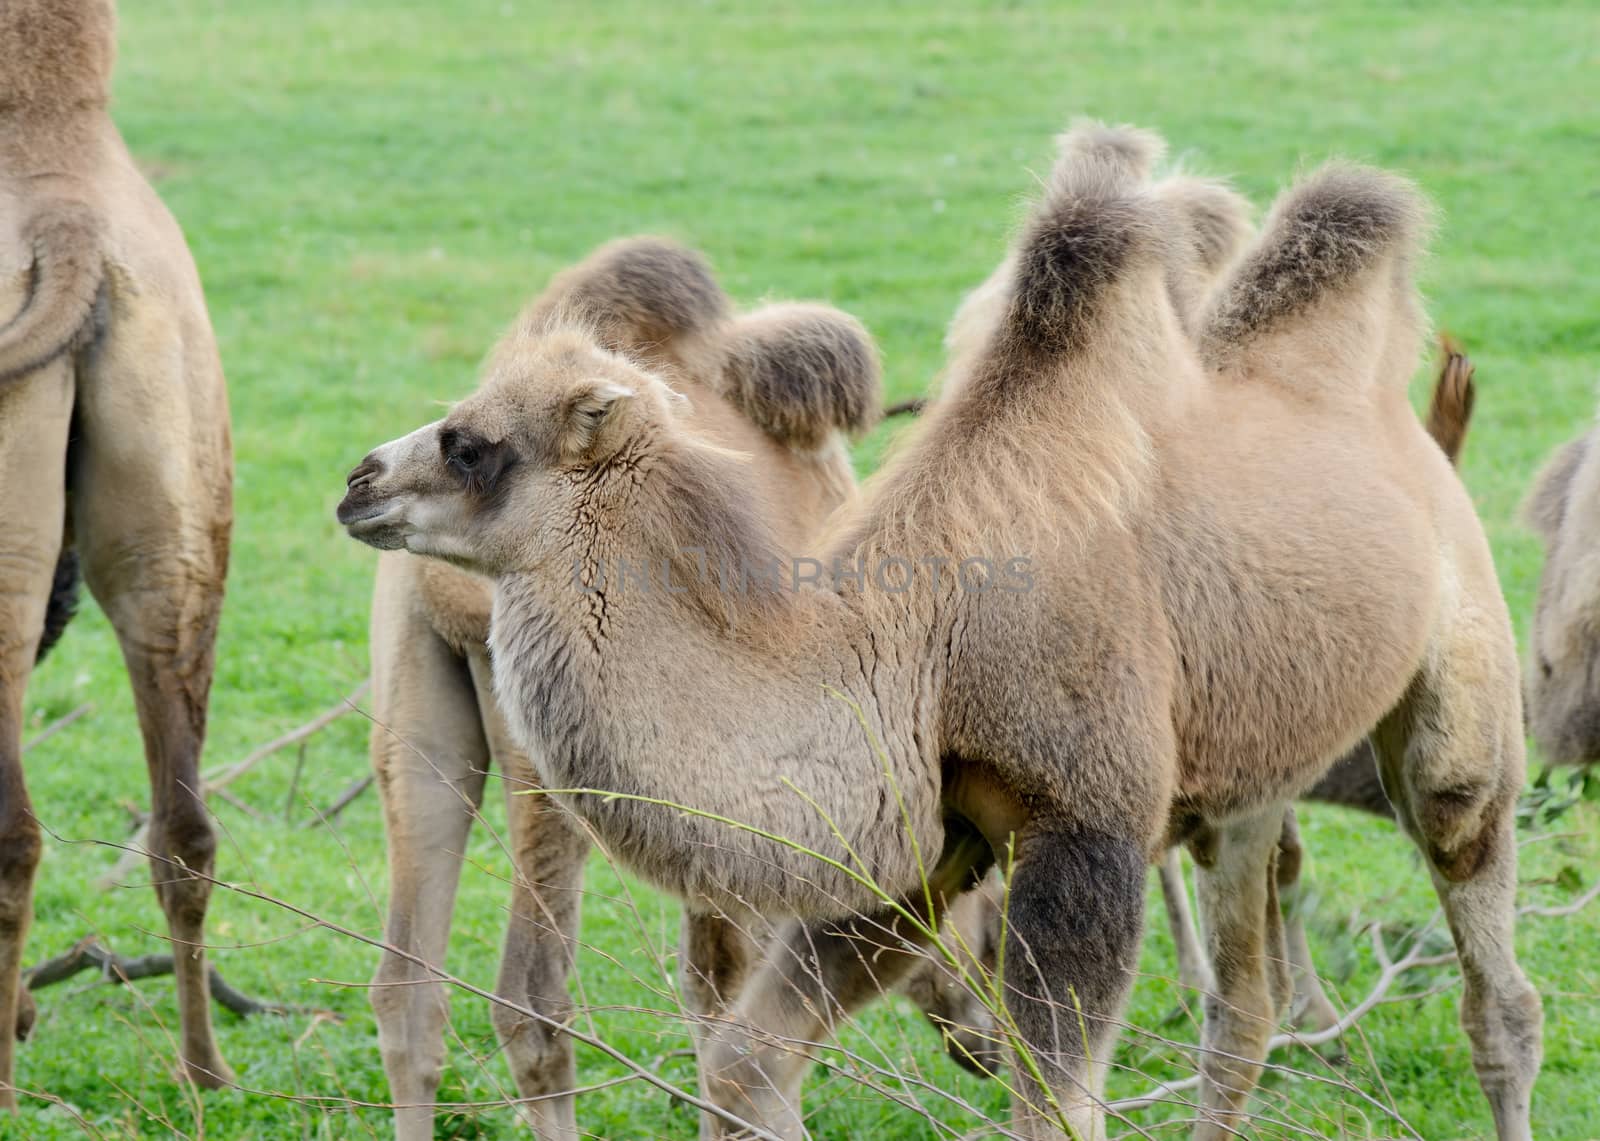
(1452, 757)
(152, 514)
(1237, 880)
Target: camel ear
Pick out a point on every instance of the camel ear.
(590, 410)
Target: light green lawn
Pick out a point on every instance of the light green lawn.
(371, 190)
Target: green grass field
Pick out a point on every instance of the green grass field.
(372, 189)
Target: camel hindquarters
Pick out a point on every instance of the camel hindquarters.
(152, 508)
(1453, 764)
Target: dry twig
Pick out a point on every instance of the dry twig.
(221, 778)
(87, 954)
(351, 792)
(59, 724)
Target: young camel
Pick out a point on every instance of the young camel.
(104, 342)
(782, 385)
(1211, 572)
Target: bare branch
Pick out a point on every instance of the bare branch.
(1392, 971)
(87, 954)
(348, 796)
(59, 724)
(221, 778)
(1572, 908)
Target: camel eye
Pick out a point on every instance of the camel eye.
(459, 451)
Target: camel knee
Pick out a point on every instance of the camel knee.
(1462, 826)
(410, 1010)
(538, 1049)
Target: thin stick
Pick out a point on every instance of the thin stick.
(1392, 970)
(294, 781)
(912, 407)
(327, 815)
(59, 724)
(132, 852)
(239, 804)
(118, 969)
(221, 778)
(1572, 908)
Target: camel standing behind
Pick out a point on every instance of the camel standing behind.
(781, 384)
(1238, 561)
(1563, 678)
(104, 341)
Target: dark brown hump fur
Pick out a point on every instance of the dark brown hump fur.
(1323, 235)
(635, 293)
(1093, 224)
(802, 372)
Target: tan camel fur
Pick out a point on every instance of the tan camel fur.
(1563, 679)
(1209, 574)
(781, 384)
(104, 340)
(1353, 782)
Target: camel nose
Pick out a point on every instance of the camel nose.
(364, 472)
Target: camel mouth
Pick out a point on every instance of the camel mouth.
(375, 524)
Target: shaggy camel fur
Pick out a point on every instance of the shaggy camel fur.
(105, 342)
(1563, 680)
(781, 384)
(1209, 573)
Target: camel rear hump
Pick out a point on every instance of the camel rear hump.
(637, 295)
(802, 372)
(1325, 297)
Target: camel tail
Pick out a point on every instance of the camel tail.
(1343, 229)
(637, 294)
(63, 603)
(67, 270)
(802, 372)
(1094, 224)
(1453, 394)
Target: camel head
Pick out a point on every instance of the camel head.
(1563, 682)
(496, 485)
